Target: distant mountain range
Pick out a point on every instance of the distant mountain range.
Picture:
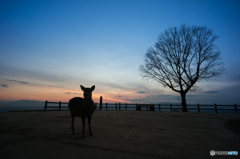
(22, 103)
(42, 103)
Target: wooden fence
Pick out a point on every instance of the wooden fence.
(151, 107)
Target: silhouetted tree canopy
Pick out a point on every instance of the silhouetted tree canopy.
(181, 57)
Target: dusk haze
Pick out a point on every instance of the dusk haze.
(49, 48)
(119, 79)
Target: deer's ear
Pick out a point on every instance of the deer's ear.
(93, 87)
(83, 88)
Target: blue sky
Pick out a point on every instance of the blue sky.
(48, 48)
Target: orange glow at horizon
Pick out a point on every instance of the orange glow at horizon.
(107, 99)
(55, 94)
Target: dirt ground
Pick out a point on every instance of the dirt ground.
(116, 134)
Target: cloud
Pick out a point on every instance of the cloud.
(155, 99)
(190, 95)
(77, 93)
(211, 92)
(22, 82)
(141, 92)
(72, 93)
(160, 96)
(118, 96)
(4, 85)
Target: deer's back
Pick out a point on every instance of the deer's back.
(79, 107)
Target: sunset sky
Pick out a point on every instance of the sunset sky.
(49, 48)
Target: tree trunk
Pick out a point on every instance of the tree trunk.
(184, 104)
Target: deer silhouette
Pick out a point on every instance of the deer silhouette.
(82, 107)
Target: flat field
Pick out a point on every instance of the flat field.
(117, 134)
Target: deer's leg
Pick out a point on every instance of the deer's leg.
(83, 122)
(72, 127)
(89, 125)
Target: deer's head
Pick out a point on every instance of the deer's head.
(87, 92)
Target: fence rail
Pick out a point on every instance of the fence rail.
(151, 107)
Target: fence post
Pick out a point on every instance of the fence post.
(116, 106)
(171, 107)
(45, 107)
(59, 106)
(215, 108)
(126, 106)
(198, 108)
(100, 103)
(235, 105)
(159, 107)
(119, 106)
(95, 106)
(138, 108)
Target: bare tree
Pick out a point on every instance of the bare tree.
(181, 57)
